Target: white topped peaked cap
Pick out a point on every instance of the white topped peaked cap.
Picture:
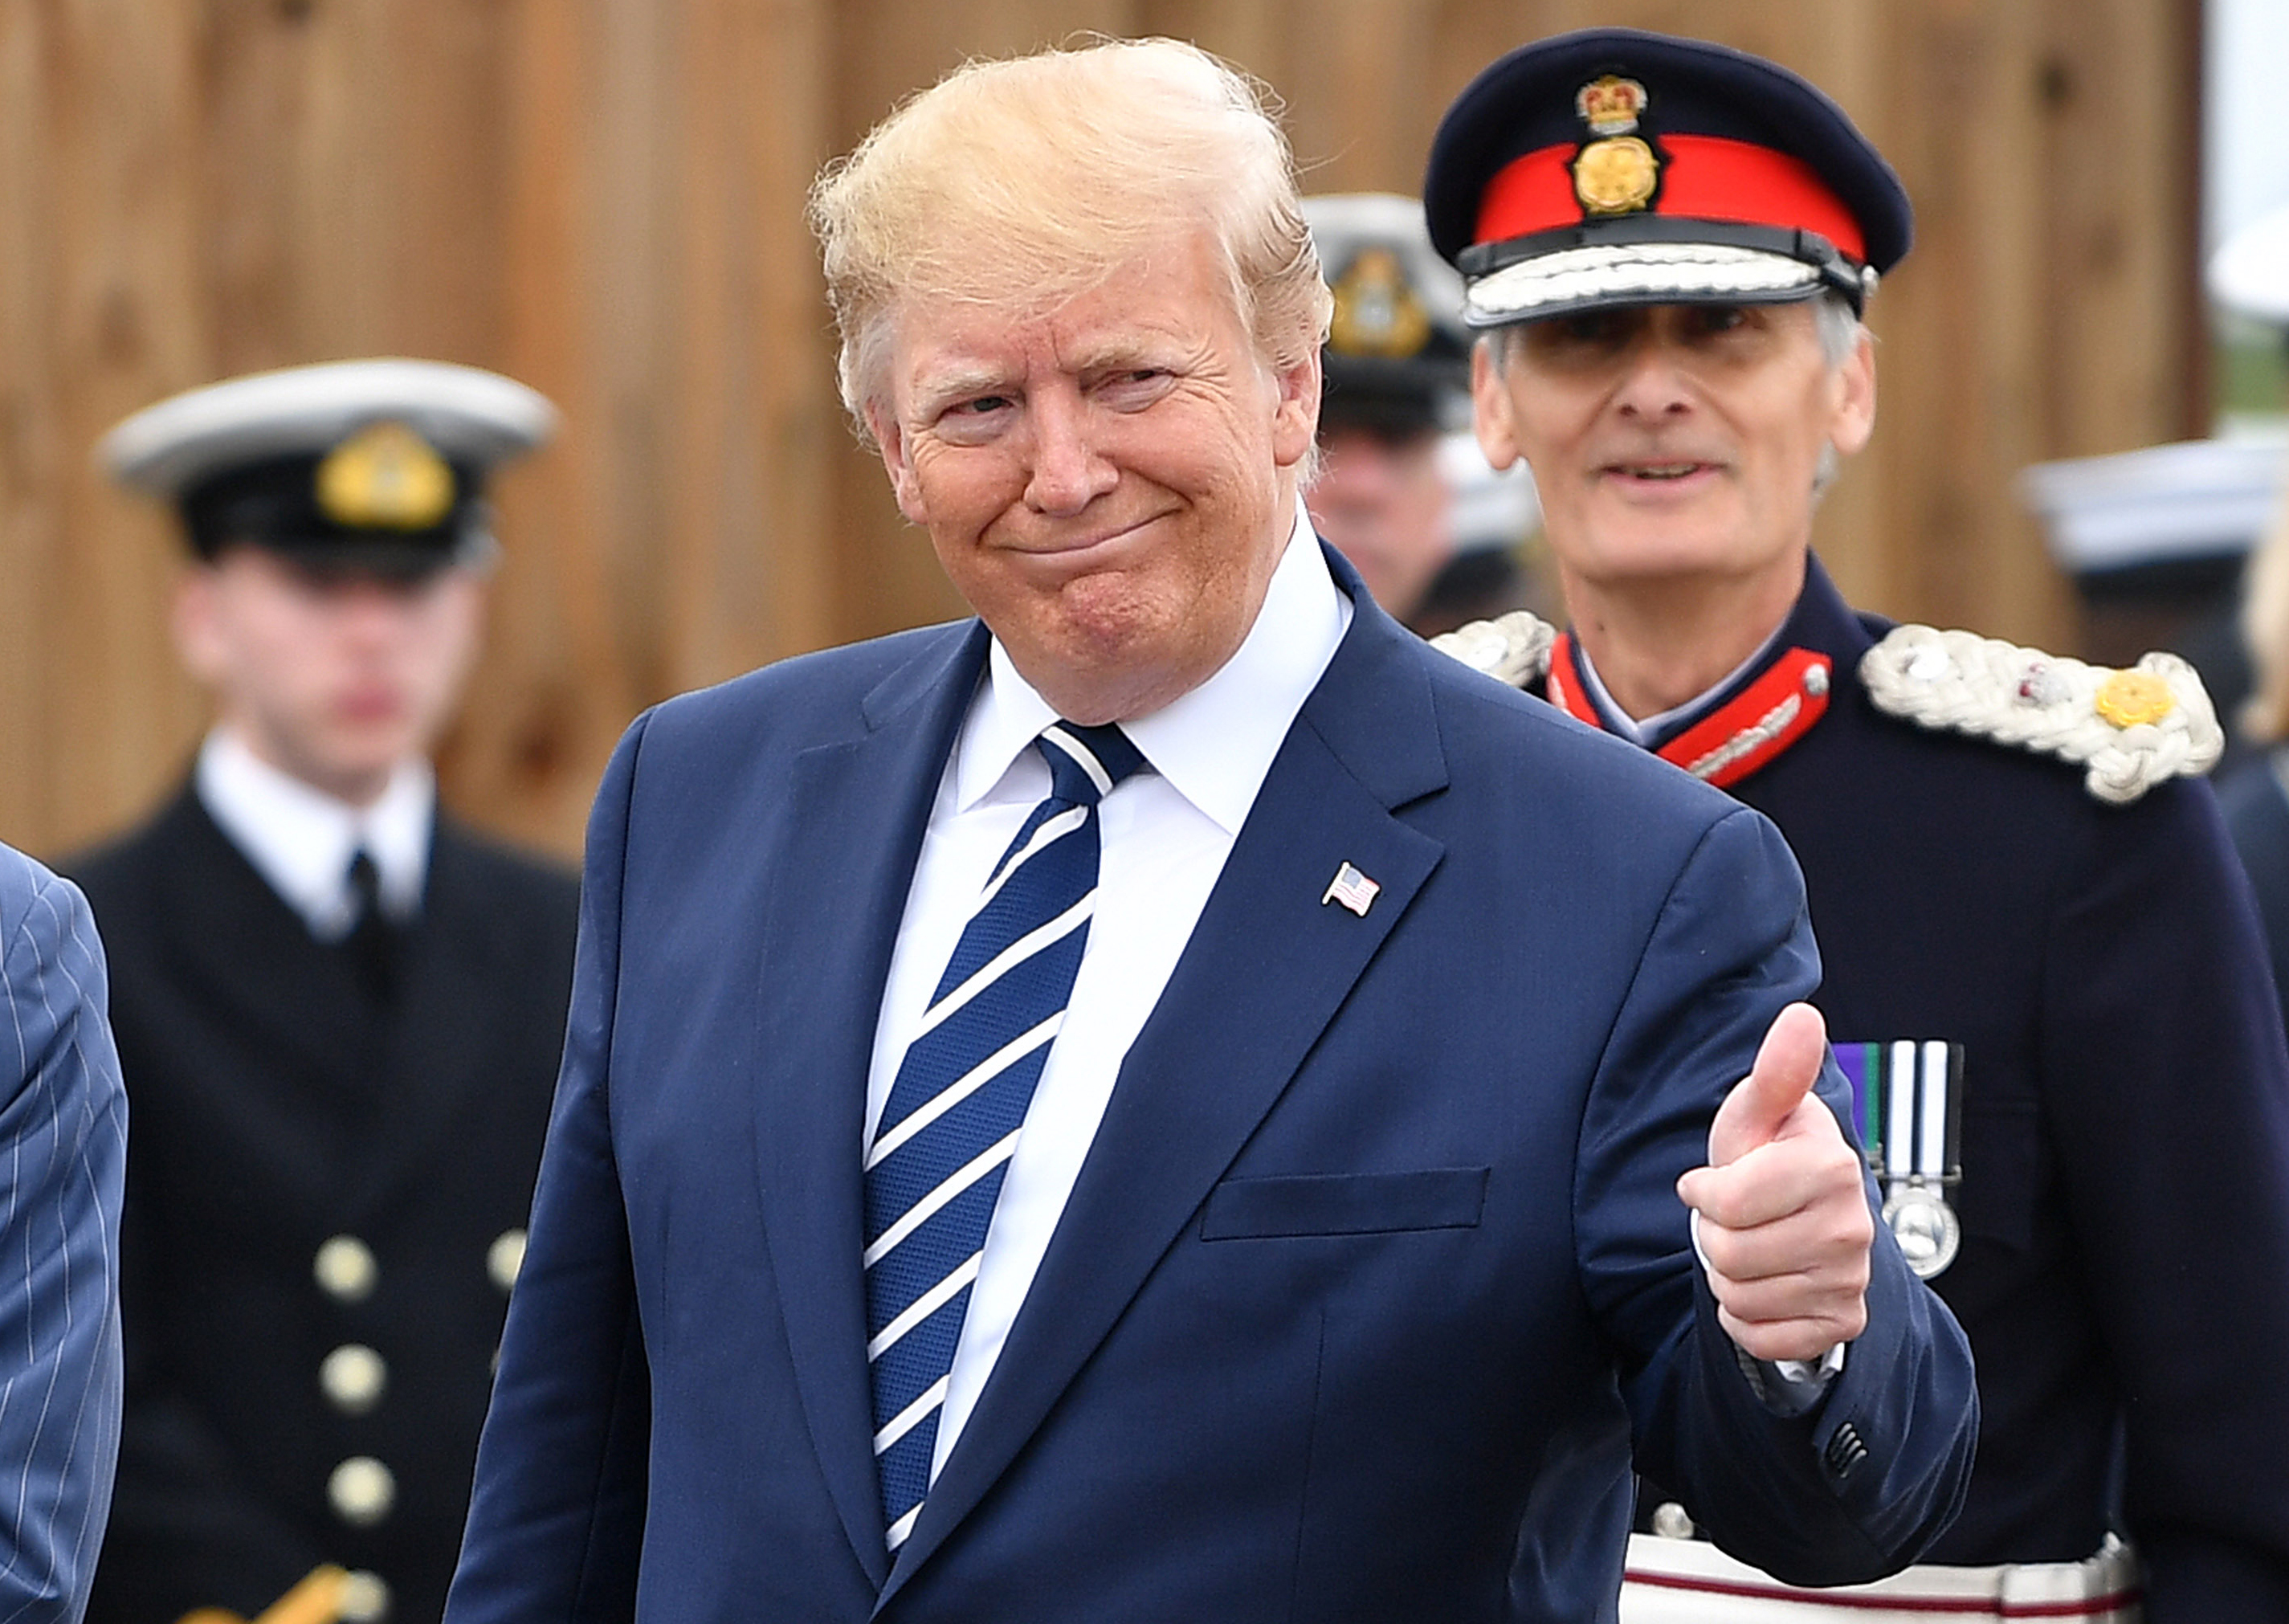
(1346, 225)
(2249, 274)
(2190, 499)
(468, 415)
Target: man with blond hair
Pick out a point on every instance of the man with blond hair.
(1073, 1114)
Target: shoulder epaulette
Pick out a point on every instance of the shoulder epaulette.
(2131, 730)
(1514, 646)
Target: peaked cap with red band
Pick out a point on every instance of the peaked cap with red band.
(1616, 167)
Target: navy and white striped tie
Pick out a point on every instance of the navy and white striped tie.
(950, 1123)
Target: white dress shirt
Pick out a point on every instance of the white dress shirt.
(1164, 836)
(301, 840)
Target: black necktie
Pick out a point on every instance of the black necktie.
(372, 941)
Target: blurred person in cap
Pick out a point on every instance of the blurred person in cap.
(338, 1010)
(1396, 386)
(1072, 1114)
(2249, 277)
(2042, 969)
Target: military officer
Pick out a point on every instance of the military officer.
(339, 1011)
(2042, 965)
(1394, 456)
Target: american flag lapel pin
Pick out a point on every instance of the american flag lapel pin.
(1351, 889)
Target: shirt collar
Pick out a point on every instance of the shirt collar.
(301, 840)
(1215, 743)
(1652, 730)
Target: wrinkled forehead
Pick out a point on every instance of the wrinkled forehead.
(1177, 295)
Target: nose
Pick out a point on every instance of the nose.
(1068, 471)
(1653, 385)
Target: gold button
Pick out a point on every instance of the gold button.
(346, 1269)
(363, 1490)
(504, 1257)
(2130, 698)
(352, 1376)
(365, 1598)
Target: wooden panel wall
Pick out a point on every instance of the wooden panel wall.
(603, 197)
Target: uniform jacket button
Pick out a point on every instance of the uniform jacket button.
(346, 1269)
(365, 1598)
(363, 1490)
(504, 1257)
(353, 1377)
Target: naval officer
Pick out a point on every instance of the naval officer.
(338, 1010)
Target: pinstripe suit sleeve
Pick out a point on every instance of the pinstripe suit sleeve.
(63, 1144)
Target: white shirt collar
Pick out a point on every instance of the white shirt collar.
(301, 840)
(1215, 743)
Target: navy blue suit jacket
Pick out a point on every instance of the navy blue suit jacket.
(1374, 1274)
(63, 1144)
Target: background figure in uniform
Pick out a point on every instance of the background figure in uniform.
(2249, 275)
(2045, 976)
(63, 1136)
(2255, 795)
(338, 1011)
(1397, 365)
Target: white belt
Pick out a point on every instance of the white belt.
(1691, 1582)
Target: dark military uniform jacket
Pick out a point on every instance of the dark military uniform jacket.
(327, 1189)
(2124, 1202)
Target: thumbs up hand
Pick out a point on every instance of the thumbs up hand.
(1784, 1227)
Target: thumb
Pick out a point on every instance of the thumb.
(1788, 1064)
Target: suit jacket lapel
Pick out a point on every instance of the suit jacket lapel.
(859, 810)
(1224, 1040)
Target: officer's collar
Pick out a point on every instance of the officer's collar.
(1749, 718)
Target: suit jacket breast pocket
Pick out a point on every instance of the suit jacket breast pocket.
(1344, 1204)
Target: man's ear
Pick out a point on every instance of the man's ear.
(891, 438)
(1296, 417)
(1490, 406)
(1855, 417)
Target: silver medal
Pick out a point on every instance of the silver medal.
(1928, 1232)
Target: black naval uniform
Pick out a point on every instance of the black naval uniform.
(2124, 1276)
(319, 1163)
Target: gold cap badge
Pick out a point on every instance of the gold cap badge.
(1619, 173)
(1611, 106)
(1376, 312)
(1616, 176)
(385, 477)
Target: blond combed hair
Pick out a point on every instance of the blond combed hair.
(1017, 184)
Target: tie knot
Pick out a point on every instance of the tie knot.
(1085, 762)
(365, 882)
